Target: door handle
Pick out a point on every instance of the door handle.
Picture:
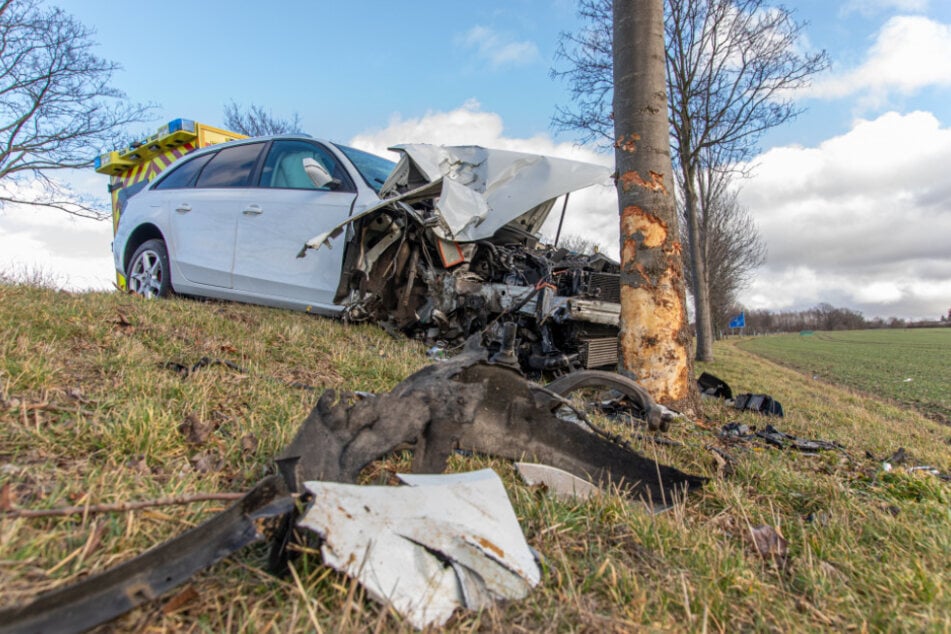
(184, 208)
(253, 210)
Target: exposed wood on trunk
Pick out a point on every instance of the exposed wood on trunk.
(654, 338)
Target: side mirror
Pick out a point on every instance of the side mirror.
(317, 173)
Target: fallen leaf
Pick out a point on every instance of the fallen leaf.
(206, 462)
(7, 497)
(121, 320)
(196, 431)
(769, 543)
(249, 443)
(187, 595)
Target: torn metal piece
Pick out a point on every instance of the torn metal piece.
(562, 484)
(444, 542)
(466, 403)
(102, 597)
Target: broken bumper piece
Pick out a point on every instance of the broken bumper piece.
(467, 403)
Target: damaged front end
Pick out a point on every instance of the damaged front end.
(453, 251)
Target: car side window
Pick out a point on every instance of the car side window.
(284, 167)
(184, 174)
(231, 167)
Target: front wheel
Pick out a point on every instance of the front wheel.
(149, 274)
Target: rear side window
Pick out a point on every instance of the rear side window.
(231, 167)
(185, 174)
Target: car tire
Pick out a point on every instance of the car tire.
(149, 273)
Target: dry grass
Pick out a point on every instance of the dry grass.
(90, 414)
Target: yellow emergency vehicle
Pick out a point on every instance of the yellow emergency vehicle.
(133, 167)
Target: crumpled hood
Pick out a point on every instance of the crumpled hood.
(476, 191)
(485, 189)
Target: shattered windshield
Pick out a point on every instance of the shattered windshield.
(374, 169)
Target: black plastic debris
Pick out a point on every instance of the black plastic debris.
(774, 437)
(783, 440)
(713, 386)
(761, 403)
(736, 430)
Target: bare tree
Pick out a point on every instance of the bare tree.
(732, 245)
(653, 337)
(732, 67)
(57, 110)
(579, 244)
(256, 121)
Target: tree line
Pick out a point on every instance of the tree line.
(822, 316)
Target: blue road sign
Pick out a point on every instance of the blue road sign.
(739, 321)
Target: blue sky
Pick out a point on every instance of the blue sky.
(849, 197)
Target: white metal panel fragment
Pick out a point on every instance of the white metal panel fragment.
(562, 484)
(445, 541)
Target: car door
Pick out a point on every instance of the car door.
(288, 209)
(203, 218)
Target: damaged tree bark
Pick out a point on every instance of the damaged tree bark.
(654, 336)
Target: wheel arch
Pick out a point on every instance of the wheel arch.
(138, 237)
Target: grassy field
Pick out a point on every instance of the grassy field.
(91, 414)
(909, 366)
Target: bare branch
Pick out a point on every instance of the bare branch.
(256, 121)
(122, 507)
(57, 110)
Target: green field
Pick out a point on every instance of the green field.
(910, 366)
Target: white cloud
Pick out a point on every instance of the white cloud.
(862, 220)
(592, 212)
(498, 49)
(74, 252)
(909, 54)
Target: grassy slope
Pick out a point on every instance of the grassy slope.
(88, 414)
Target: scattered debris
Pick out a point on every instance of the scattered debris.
(465, 403)
(782, 440)
(773, 436)
(445, 541)
(736, 430)
(725, 462)
(712, 386)
(900, 458)
(562, 484)
(761, 403)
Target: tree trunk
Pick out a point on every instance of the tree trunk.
(654, 336)
(698, 260)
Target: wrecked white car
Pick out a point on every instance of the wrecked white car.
(443, 245)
